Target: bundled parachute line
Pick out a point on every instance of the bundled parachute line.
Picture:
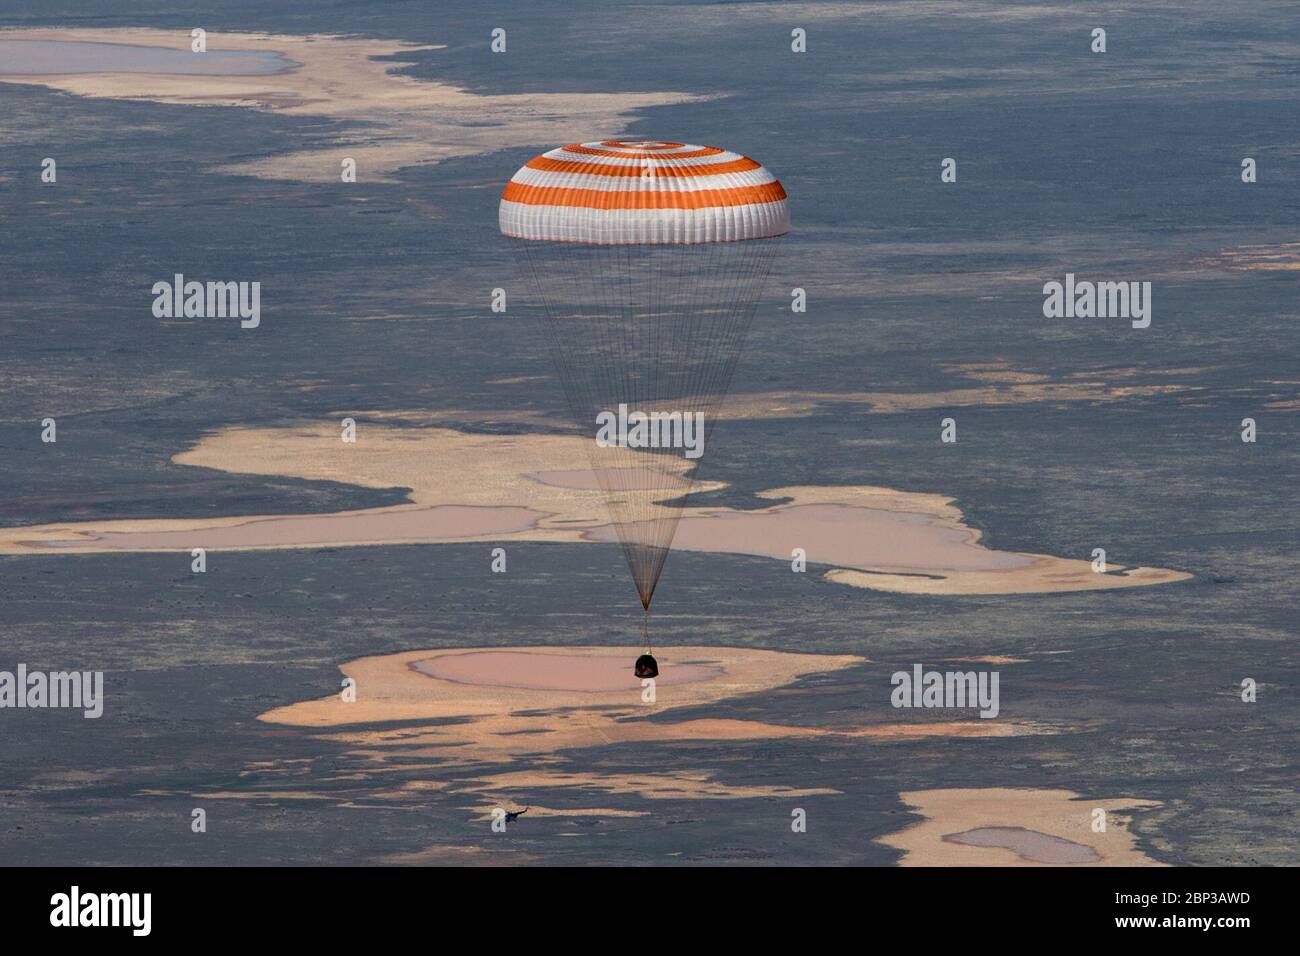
(648, 259)
(675, 355)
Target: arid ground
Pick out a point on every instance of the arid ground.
(349, 680)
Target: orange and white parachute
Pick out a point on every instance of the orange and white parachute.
(648, 258)
(619, 192)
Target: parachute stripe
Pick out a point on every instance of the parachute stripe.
(695, 185)
(641, 198)
(589, 168)
(642, 144)
(595, 149)
(645, 226)
(634, 161)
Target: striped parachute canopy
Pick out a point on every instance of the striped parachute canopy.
(648, 258)
(618, 193)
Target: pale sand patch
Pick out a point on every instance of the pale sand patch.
(481, 487)
(485, 812)
(445, 416)
(409, 788)
(407, 121)
(1043, 575)
(243, 794)
(460, 856)
(70, 779)
(518, 380)
(584, 730)
(1002, 384)
(978, 827)
(439, 523)
(1003, 372)
(448, 726)
(527, 719)
(837, 534)
(668, 785)
(987, 659)
(1130, 371)
(589, 479)
(1000, 372)
(576, 671)
(1284, 257)
(769, 405)
(451, 724)
(462, 722)
(1030, 845)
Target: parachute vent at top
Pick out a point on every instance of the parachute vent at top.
(643, 192)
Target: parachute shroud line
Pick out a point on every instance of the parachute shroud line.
(648, 258)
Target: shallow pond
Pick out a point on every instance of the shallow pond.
(58, 57)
